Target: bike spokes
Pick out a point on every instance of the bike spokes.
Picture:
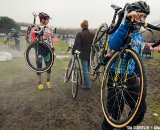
(122, 89)
(39, 57)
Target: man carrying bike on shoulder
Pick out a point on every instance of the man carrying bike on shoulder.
(47, 38)
(136, 11)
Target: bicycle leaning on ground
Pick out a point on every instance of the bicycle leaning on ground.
(116, 86)
(74, 73)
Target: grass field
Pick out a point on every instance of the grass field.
(23, 107)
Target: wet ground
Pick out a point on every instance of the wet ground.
(23, 107)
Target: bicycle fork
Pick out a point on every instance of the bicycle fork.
(119, 68)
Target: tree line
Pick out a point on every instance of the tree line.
(6, 24)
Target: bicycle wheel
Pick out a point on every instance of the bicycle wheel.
(98, 45)
(69, 69)
(122, 92)
(93, 74)
(76, 79)
(39, 57)
(100, 34)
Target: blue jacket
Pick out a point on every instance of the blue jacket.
(116, 41)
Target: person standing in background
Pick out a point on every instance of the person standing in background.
(83, 44)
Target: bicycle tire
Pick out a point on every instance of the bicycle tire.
(80, 72)
(31, 56)
(133, 114)
(69, 69)
(75, 81)
(76, 78)
(93, 74)
(98, 45)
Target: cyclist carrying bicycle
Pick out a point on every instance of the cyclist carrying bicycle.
(47, 37)
(136, 11)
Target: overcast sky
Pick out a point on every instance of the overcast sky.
(70, 13)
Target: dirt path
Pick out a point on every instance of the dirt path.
(23, 107)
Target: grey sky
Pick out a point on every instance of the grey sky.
(69, 13)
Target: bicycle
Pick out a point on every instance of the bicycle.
(99, 48)
(38, 55)
(117, 85)
(74, 73)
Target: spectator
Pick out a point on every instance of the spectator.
(83, 43)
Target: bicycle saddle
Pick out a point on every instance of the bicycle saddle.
(115, 7)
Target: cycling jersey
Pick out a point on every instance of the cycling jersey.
(47, 35)
(116, 41)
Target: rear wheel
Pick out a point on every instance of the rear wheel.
(98, 45)
(123, 93)
(39, 57)
(93, 74)
(69, 69)
(75, 82)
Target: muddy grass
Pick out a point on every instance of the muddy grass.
(23, 107)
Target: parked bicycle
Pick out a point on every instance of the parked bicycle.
(115, 84)
(73, 73)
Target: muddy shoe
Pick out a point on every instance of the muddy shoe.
(40, 86)
(49, 84)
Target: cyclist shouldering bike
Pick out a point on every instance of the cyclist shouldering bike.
(47, 37)
(136, 11)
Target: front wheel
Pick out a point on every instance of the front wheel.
(76, 79)
(39, 57)
(123, 89)
(98, 45)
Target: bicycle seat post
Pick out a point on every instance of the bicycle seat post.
(116, 8)
(114, 18)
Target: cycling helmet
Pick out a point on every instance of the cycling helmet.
(43, 15)
(139, 6)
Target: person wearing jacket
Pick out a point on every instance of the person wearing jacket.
(83, 44)
(138, 11)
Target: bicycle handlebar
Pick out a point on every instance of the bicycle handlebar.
(156, 44)
(149, 26)
(69, 48)
(75, 52)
